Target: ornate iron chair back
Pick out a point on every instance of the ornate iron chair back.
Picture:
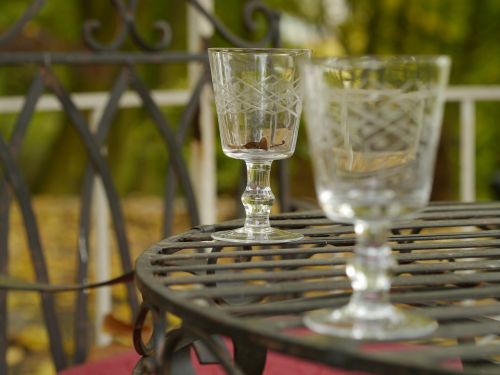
(13, 183)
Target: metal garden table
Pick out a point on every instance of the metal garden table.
(449, 268)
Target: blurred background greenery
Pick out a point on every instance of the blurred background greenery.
(54, 160)
(467, 30)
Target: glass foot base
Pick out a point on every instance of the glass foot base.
(393, 324)
(270, 235)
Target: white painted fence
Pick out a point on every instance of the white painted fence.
(203, 163)
(467, 97)
(203, 170)
(95, 103)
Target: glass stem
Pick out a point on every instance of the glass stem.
(370, 271)
(258, 197)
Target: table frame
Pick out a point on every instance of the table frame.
(449, 268)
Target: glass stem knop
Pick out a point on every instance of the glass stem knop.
(258, 197)
(370, 271)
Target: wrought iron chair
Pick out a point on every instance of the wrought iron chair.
(14, 187)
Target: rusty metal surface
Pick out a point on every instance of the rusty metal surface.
(449, 268)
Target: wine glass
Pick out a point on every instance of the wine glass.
(373, 125)
(258, 107)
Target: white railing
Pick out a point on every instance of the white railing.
(467, 96)
(95, 103)
(203, 164)
(203, 169)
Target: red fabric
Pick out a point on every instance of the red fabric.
(117, 365)
(276, 364)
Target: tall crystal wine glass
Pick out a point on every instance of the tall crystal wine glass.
(258, 106)
(373, 126)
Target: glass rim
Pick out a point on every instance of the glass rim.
(377, 61)
(260, 51)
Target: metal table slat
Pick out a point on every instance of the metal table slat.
(457, 312)
(300, 287)
(449, 268)
(470, 254)
(178, 243)
(163, 259)
(311, 274)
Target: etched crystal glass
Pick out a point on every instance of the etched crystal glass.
(373, 126)
(258, 107)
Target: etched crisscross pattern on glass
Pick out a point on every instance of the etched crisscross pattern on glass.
(383, 119)
(373, 125)
(272, 95)
(385, 128)
(259, 107)
(373, 140)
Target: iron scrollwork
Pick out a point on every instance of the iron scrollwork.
(175, 343)
(127, 14)
(250, 10)
(128, 25)
(108, 52)
(126, 11)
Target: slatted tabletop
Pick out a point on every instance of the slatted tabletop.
(449, 269)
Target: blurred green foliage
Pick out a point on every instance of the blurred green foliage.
(467, 30)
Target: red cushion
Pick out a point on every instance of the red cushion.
(276, 364)
(116, 365)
